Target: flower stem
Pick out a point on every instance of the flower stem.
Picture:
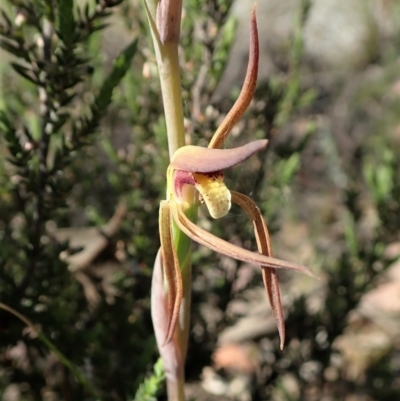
(168, 65)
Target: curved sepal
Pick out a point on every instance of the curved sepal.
(247, 92)
(216, 244)
(269, 275)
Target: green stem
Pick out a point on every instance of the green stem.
(175, 390)
(168, 66)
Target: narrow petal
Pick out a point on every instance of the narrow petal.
(217, 244)
(171, 269)
(246, 93)
(269, 275)
(197, 159)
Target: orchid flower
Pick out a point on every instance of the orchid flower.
(203, 169)
(195, 176)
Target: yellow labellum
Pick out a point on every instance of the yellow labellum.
(214, 192)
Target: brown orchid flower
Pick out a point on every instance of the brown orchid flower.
(203, 168)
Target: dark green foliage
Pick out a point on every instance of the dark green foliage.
(36, 185)
(149, 389)
(293, 90)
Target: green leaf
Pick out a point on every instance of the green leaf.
(65, 20)
(6, 19)
(289, 168)
(25, 72)
(121, 66)
(152, 385)
(14, 49)
(381, 176)
(292, 93)
(350, 234)
(384, 181)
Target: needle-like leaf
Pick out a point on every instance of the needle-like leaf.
(171, 269)
(269, 275)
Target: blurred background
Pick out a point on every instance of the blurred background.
(83, 156)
